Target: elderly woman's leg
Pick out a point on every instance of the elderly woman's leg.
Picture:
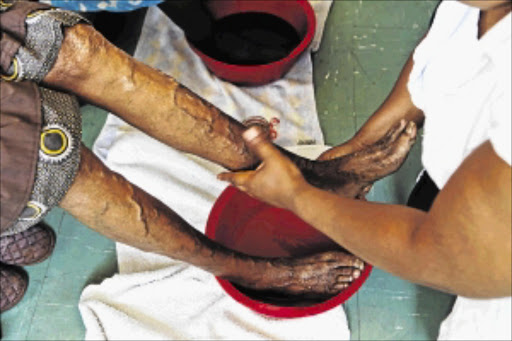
(109, 204)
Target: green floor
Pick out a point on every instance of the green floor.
(364, 47)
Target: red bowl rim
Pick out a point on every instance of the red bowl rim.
(266, 308)
(311, 21)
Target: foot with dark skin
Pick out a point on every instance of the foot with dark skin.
(319, 275)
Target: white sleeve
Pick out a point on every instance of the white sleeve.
(500, 132)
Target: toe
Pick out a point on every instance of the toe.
(346, 271)
(340, 286)
(411, 130)
(358, 263)
(344, 279)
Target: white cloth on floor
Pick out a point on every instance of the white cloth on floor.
(156, 297)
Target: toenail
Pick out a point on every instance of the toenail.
(342, 278)
(356, 273)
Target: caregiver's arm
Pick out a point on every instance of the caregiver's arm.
(397, 106)
(462, 245)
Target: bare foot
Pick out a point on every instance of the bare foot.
(352, 175)
(319, 275)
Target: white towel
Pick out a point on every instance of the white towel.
(478, 319)
(156, 297)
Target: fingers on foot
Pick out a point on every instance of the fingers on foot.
(405, 142)
(397, 131)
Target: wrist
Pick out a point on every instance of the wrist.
(299, 197)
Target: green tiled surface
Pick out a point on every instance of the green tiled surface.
(365, 45)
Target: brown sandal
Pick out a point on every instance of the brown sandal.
(28, 247)
(13, 285)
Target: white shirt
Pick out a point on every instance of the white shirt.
(462, 84)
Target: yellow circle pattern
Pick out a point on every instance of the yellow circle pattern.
(50, 151)
(36, 208)
(5, 4)
(15, 73)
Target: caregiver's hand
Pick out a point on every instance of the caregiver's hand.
(276, 181)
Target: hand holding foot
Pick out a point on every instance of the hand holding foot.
(351, 175)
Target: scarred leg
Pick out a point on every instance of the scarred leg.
(109, 204)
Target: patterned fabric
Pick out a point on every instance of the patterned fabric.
(109, 5)
(59, 157)
(42, 43)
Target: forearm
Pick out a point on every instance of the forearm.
(446, 248)
(359, 226)
(397, 106)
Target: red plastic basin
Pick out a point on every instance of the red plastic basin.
(248, 225)
(298, 13)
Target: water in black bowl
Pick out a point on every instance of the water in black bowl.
(250, 38)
